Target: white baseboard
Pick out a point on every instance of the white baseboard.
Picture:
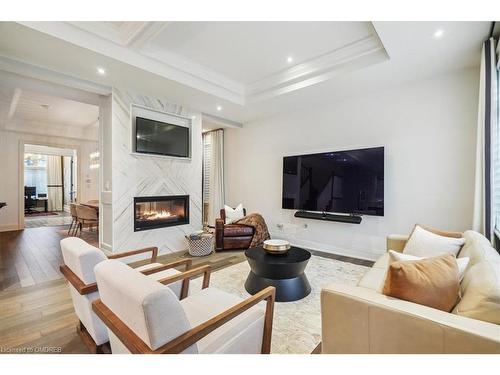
(106, 247)
(8, 227)
(318, 246)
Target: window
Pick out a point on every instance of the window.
(496, 161)
(35, 172)
(207, 154)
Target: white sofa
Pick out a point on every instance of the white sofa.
(360, 319)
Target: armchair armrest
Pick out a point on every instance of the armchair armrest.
(184, 341)
(397, 242)
(361, 320)
(77, 283)
(195, 334)
(163, 267)
(219, 233)
(153, 250)
(186, 277)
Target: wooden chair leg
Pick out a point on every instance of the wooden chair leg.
(90, 343)
(71, 225)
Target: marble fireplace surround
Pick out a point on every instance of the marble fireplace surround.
(136, 175)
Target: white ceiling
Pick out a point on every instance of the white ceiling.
(25, 110)
(47, 150)
(33, 106)
(242, 66)
(245, 51)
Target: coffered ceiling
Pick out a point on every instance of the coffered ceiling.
(239, 61)
(241, 71)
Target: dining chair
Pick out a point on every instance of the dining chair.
(86, 216)
(74, 218)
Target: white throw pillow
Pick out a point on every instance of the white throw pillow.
(235, 214)
(400, 257)
(423, 243)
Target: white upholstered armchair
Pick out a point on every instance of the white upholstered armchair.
(80, 258)
(144, 316)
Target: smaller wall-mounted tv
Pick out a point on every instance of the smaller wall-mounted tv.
(161, 138)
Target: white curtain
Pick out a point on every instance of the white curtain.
(214, 184)
(54, 183)
(487, 149)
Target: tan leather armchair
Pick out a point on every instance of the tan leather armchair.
(231, 236)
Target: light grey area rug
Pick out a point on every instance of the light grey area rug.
(297, 325)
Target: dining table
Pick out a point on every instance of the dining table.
(94, 205)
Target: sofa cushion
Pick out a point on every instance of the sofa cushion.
(382, 261)
(478, 248)
(237, 230)
(431, 282)
(424, 243)
(374, 279)
(481, 292)
(240, 335)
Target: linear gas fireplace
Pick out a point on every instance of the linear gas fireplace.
(159, 212)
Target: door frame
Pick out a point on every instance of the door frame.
(21, 153)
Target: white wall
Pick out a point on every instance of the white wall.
(10, 143)
(428, 130)
(145, 175)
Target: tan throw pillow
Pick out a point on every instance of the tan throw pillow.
(395, 256)
(432, 243)
(432, 282)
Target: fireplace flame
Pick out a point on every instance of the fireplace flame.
(155, 215)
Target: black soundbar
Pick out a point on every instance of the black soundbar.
(353, 219)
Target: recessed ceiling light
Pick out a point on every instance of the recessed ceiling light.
(45, 106)
(101, 71)
(219, 108)
(289, 59)
(438, 33)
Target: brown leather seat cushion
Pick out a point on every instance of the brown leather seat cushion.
(237, 230)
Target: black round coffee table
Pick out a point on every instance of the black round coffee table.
(285, 272)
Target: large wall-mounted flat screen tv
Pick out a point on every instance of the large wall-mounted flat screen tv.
(350, 182)
(161, 138)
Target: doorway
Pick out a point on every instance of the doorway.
(50, 185)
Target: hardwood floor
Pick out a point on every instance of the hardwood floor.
(62, 218)
(32, 256)
(36, 310)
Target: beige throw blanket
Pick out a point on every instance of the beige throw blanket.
(260, 228)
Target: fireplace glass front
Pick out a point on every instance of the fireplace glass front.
(159, 212)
